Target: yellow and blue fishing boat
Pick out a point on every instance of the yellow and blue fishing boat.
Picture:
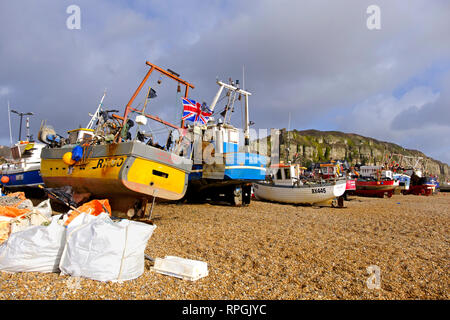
(106, 162)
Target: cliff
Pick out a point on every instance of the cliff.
(309, 146)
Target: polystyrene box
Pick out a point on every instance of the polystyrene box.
(185, 269)
(141, 120)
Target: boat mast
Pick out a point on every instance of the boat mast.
(246, 129)
(28, 128)
(230, 104)
(236, 90)
(129, 109)
(21, 114)
(216, 97)
(288, 148)
(247, 121)
(97, 113)
(9, 119)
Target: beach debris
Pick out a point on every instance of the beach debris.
(18, 213)
(182, 268)
(12, 199)
(101, 249)
(84, 242)
(62, 194)
(94, 207)
(36, 249)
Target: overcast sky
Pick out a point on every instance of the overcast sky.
(316, 60)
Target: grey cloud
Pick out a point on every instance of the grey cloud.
(310, 58)
(436, 113)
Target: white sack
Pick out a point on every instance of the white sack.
(101, 249)
(37, 248)
(44, 208)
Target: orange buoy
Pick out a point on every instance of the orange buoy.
(4, 179)
(67, 158)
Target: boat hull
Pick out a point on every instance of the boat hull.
(375, 188)
(237, 168)
(445, 187)
(119, 172)
(422, 189)
(350, 185)
(23, 171)
(311, 194)
(23, 179)
(229, 180)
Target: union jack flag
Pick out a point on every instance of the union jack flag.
(195, 112)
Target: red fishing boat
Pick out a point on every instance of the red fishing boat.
(421, 185)
(374, 181)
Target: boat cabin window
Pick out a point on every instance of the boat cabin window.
(327, 170)
(16, 153)
(279, 176)
(287, 173)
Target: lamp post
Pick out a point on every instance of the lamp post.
(21, 114)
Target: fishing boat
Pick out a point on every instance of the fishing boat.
(375, 181)
(435, 182)
(23, 170)
(223, 169)
(403, 182)
(285, 184)
(108, 162)
(337, 169)
(445, 186)
(421, 184)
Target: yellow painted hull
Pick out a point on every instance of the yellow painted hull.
(118, 174)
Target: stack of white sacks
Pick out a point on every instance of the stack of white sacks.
(94, 247)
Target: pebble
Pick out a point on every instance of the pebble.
(278, 251)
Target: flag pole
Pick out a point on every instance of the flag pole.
(146, 100)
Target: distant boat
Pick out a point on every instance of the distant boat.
(23, 170)
(435, 182)
(421, 185)
(375, 181)
(445, 186)
(334, 170)
(285, 185)
(404, 182)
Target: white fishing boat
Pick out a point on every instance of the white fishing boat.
(445, 186)
(284, 184)
(23, 170)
